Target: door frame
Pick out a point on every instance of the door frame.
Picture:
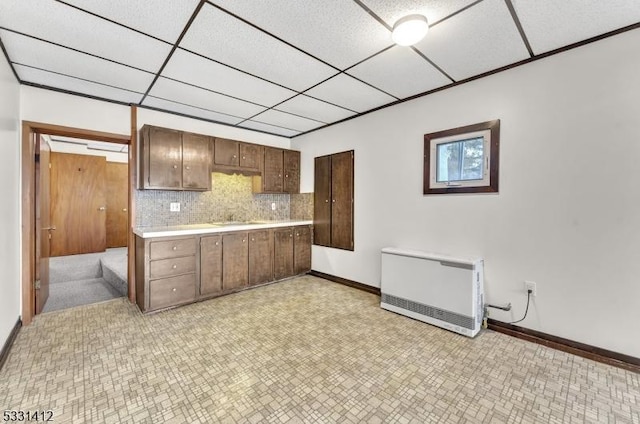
(27, 159)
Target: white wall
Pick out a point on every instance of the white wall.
(152, 117)
(10, 193)
(568, 212)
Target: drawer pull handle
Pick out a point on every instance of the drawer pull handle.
(174, 248)
(173, 289)
(175, 267)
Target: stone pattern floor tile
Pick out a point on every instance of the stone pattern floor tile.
(300, 351)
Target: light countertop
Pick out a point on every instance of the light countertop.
(193, 229)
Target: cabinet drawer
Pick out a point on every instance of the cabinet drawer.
(172, 266)
(172, 248)
(172, 291)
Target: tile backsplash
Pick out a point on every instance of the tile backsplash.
(231, 199)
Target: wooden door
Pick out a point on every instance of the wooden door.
(210, 265)
(260, 257)
(291, 171)
(322, 201)
(196, 162)
(342, 200)
(165, 158)
(43, 222)
(301, 250)
(273, 169)
(249, 156)
(117, 192)
(283, 253)
(226, 152)
(235, 261)
(78, 204)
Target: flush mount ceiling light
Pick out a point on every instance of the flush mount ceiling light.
(409, 30)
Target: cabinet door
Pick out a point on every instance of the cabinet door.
(291, 171)
(165, 158)
(226, 152)
(196, 162)
(301, 250)
(273, 169)
(235, 260)
(210, 265)
(249, 156)
(283, 253)
(322, 201)
(260, 262)
(342, 200)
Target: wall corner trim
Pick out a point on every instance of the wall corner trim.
(4, 353)
(346, 282)
(594, 353)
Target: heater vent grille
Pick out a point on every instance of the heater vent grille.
(430, 311)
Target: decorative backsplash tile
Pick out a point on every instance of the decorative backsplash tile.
(231, 199)
(302, 206)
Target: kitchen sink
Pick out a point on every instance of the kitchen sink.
(250, 222)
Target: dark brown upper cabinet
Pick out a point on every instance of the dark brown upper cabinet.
(250, 156)
(280, 172)
(174, 160)
(231, 156)
(226, 152)
(333, 201)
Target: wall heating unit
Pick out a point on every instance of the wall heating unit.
(438, 289)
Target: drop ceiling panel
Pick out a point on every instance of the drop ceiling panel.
(400, 71)
(226, 39)
(348, 92)
(164, 19)
(190, 110)
(37, 76)
(193, 69)
(268, 128)
(35, 53)
(434, 10)
(315, 109)
(482, 38)
(193, 96)
(552, 24)
(287, 120)
(337, 31)
(62, 24)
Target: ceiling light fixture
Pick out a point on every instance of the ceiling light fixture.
(409, 30)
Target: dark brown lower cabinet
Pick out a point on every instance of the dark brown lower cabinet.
(283, 253)
(235, 261)
(301, 250)
(260, 257)
(210, 265)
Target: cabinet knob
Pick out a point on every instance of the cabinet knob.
(173, 289)
(174, 248)
(279, 175)
(244, 157)
(297, 234)
(243, 240)
(334, 200)
(187, 168)
(124, 209)
(290, 235)
(217, 243)
(175, 267)
(286, 175)
(253, 239)
(234, 156)
(326, 201)
(175, 166)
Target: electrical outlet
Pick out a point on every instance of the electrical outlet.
(530, 285)
(174, 207)
(273, 206)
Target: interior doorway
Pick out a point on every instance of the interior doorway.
(35, 229)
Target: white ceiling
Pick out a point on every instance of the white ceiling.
(280, 66)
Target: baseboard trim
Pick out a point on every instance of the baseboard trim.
(346, 282)
(4, 353)
(605, 356)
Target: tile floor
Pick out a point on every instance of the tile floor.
(303, 350)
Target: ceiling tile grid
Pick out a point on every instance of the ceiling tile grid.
(345, 91)
(196, 70)
(551, 24)
(168, 16)
(338, 32)
(187, 110)
(400, 71)
(315, 109)
(31, 52)
(66, 83)
(287, 120)
(480, 39)
(226, 39)
(197, 97)
(65, 25)
(272, 129)
(434, 10)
